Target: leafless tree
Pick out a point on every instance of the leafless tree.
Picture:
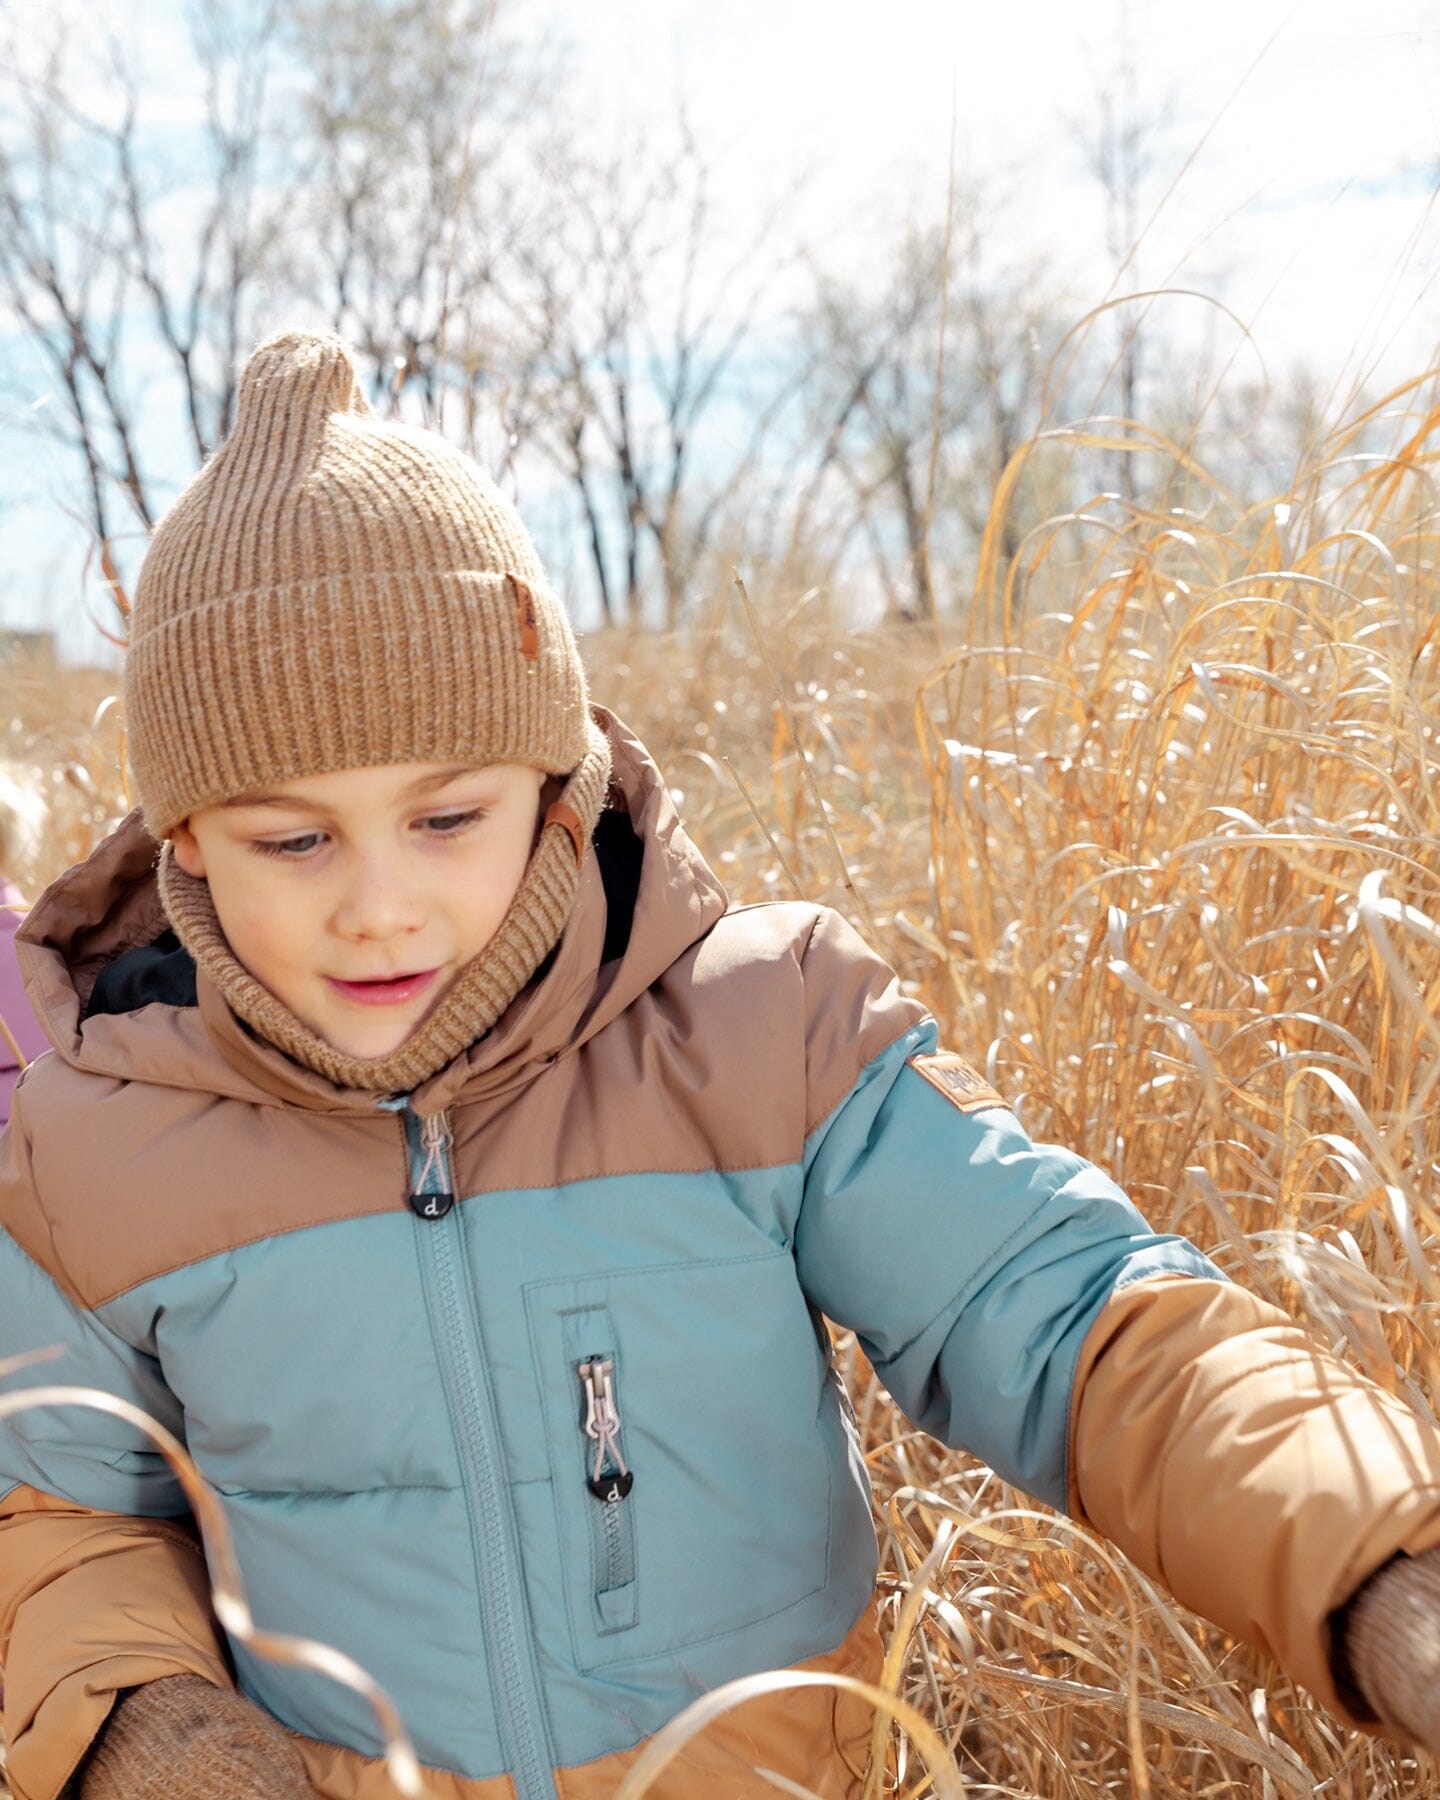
(116, 301)
(592, 312)
(1121, 136)
(331, 170)
(877, 366)
(636, 301)
(408, 109)
(373, 164)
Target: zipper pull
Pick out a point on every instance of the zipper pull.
(436, 1137)
(602, 1426)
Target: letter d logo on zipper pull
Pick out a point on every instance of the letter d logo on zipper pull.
(431, 1206)
(611, 1489)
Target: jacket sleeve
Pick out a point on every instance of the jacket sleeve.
(1014, 1302)
(102, 1581)
(970, 1262)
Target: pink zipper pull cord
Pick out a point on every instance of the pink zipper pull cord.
(435, 1136)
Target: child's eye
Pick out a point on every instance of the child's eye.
(448, 824)
(305, 843)
(289, 847)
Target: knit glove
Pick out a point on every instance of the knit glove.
(184, 1739)
(1392, 1642)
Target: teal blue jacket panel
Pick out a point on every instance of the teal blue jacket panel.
(82, 1455)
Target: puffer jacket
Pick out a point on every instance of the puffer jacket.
(381, 1326)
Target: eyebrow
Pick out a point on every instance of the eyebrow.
(423, 784)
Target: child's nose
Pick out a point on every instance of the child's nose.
(380, 901)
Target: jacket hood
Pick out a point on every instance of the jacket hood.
(110, 904)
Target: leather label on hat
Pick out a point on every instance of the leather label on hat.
(953, 1077)
(525, 613)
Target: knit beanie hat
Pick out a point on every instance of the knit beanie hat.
(334, 591)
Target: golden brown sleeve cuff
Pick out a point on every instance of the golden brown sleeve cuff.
(91, 1603)
(1233, 1458)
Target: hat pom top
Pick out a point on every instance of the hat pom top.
(297, 380)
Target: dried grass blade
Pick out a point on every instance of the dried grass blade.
(1280, 1762)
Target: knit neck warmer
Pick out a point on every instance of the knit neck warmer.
(479, 994)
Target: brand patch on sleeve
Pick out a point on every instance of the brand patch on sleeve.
(953, 1077)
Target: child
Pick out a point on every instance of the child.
(426, 1142)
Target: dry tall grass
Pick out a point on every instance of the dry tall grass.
(1153, 829)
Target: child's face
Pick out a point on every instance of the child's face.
(357, 897)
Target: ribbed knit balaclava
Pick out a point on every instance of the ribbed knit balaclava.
(333, 591)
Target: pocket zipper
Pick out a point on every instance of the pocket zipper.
(602, 1427)
(610, 1480)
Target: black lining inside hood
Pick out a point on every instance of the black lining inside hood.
(163, 972)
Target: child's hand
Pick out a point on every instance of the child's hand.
(183, 1739)
(1392, 1638)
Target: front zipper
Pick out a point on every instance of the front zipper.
(505, 1614)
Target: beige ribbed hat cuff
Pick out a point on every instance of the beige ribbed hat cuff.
(478, 996)
(250, 689)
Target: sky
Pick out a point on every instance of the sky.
(1311, 130)
(1297, 157)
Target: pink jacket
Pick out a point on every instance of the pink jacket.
(15, 1011)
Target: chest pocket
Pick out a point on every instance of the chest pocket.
(686, 1419)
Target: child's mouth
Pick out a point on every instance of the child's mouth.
(384, 993)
